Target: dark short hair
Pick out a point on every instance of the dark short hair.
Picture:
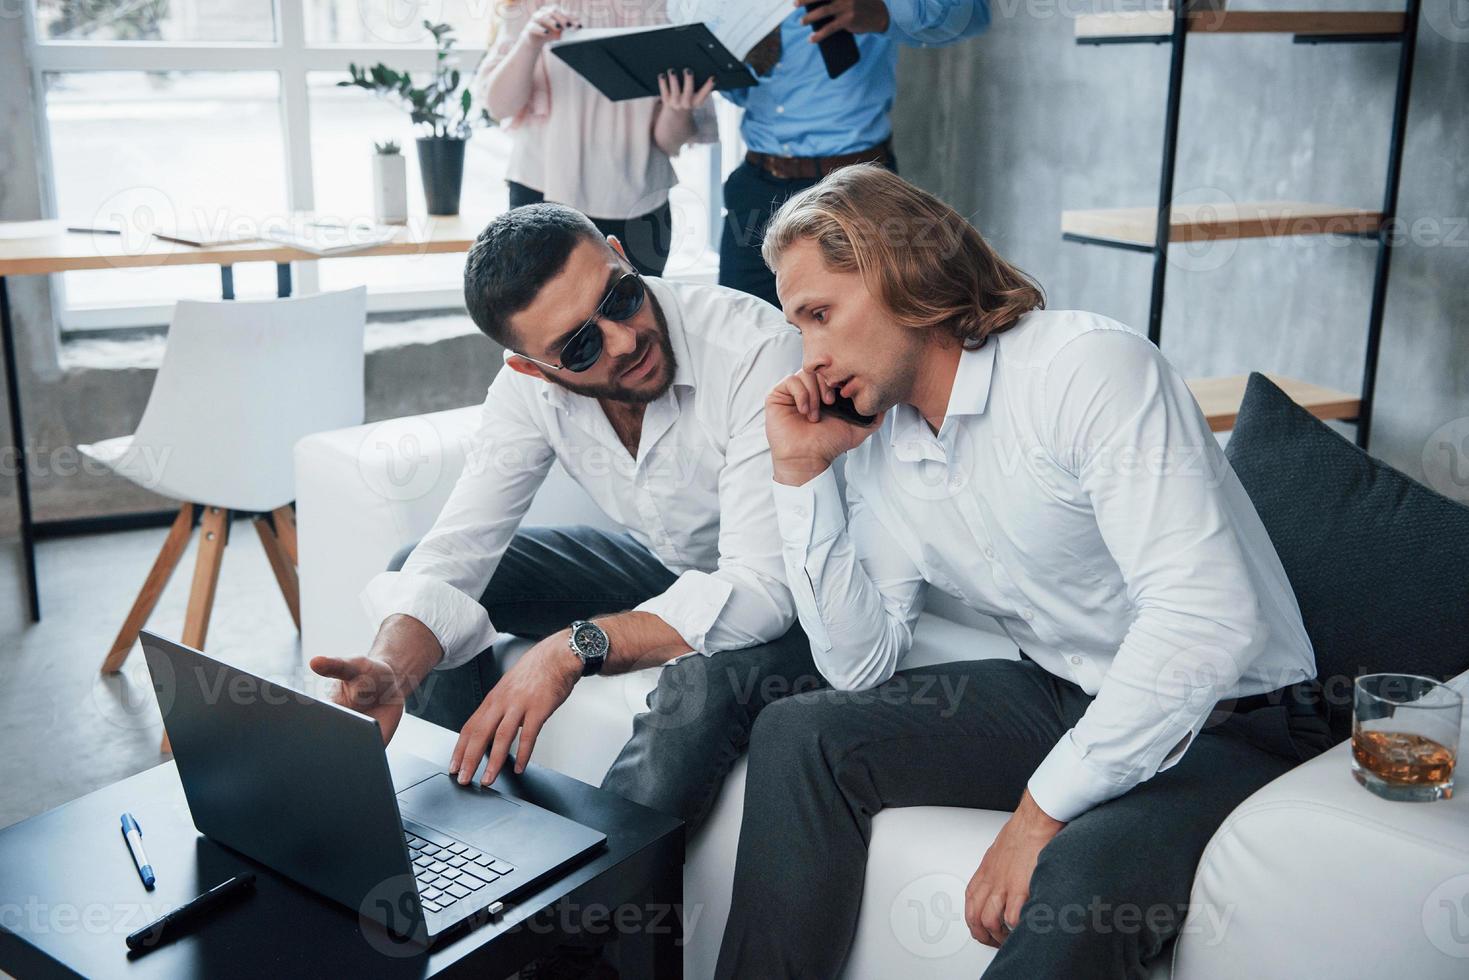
(517, 254)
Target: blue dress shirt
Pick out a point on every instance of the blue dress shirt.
(797, 111)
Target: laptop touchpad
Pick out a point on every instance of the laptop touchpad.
(459, 810)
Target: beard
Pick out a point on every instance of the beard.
(619, 393)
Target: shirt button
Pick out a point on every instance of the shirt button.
(1027, 614)
(786, 147)
(989, 553)
(799, 512)
(1076, 661)
(780, 109)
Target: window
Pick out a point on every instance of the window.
(161, 111)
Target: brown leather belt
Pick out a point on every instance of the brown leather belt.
(814, 168)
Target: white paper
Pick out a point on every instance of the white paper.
(739, 24)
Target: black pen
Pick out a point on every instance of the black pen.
(170, 925)
(96, 231)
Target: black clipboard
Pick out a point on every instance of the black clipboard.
(626, 66)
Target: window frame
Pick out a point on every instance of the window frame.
(292, 57)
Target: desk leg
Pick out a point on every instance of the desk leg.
(17, 437)
(283, 279)
(655, 950)
(226, 282)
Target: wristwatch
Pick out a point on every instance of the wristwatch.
(589, 642)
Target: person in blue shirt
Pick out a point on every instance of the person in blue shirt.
(800, 124)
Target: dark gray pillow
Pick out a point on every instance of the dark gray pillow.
(1379, 562)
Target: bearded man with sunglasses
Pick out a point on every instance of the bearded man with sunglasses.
(651, 395)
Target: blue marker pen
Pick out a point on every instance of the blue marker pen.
(134, 835)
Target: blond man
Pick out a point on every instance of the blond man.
(1048, 469)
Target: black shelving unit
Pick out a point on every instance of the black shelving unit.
(1315, 28)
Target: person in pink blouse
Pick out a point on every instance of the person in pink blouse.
(572, 145)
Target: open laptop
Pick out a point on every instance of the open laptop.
(305, 787)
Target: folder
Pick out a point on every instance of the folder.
(624, 62)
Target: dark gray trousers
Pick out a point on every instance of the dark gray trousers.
(699, 716)
(1108, 892)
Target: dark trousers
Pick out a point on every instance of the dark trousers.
(751, 198)
(647, 239)
(699, 716)
(1108, 892)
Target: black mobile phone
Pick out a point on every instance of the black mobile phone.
(839, 51)
(844, 409)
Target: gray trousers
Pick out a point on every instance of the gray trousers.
(699, 716)
(1108, 892)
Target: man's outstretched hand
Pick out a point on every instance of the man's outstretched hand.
(403, 653)
(367, 685)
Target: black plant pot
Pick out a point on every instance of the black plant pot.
(441, 164)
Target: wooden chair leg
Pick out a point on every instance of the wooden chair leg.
(285, 529)
(282, 565)
(153, 586)
(213, 536)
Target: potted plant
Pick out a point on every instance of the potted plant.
(389, 184)
(440, 109)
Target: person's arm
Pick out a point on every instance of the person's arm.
(1125, 423)
(744, 601)
(428, 614)
(857, 593)
(1128, 427)
(505, 77)
(913, 22)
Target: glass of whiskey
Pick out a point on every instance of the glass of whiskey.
(1405, 736)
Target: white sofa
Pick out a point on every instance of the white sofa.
(1310, 877)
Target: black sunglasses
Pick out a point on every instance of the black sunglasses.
(584, 347)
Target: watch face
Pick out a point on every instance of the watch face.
(590, 640)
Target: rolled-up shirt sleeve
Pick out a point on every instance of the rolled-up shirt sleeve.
(857, 593)
(1122, 418)
(936, 22)
(744, 601)
(441, 583)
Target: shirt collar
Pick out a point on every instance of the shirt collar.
(913, 440)
(971, 391)
(683, 372)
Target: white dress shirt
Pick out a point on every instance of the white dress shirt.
(697, 495)
(1075, 493)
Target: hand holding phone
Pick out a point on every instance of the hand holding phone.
(805, 433)
(838, 51)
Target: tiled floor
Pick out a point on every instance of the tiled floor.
(66, 729)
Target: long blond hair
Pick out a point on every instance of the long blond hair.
(927, 264)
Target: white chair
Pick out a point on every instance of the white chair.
(241, 382)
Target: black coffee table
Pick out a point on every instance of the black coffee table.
(69, 893)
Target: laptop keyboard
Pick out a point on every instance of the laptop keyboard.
(448, 871)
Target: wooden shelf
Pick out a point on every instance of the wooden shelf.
(1135, 227)
(1157, 25)
(1220, 399)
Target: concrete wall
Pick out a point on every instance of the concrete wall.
(84, 392)
(1020, 124)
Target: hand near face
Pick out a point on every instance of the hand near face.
(803, 441)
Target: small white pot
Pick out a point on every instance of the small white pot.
(390, 188)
